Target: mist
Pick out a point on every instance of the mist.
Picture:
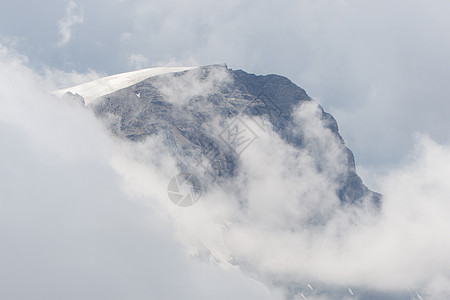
(86, 214)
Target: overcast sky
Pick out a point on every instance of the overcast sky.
(82, 203)
(380, 67)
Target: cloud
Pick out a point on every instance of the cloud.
(97, 207)
(137, 61)
(68, 229)
(179, 89)
(72, 17)
(405, 242)
(280, 219)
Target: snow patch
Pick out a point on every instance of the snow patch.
(106, 85)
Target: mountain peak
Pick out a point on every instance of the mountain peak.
(194, 110)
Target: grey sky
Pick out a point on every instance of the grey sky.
(379, 66)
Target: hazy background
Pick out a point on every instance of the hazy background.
(83, 214)
(380, 67)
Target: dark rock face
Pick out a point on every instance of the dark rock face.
(185, 108)
(74, 98)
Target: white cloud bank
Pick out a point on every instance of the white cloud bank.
(83, 215)
(67, 229)
(283, 220)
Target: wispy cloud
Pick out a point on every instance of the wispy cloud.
(60, 197)
(137, 61)
(67, 228)
(74, 15)
(281, 218)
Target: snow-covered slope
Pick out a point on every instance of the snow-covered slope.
(97, 88)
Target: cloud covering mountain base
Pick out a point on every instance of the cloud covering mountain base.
(86, 215)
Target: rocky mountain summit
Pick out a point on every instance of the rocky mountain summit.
(209, 115)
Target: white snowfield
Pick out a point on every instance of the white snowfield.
(106, 85)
